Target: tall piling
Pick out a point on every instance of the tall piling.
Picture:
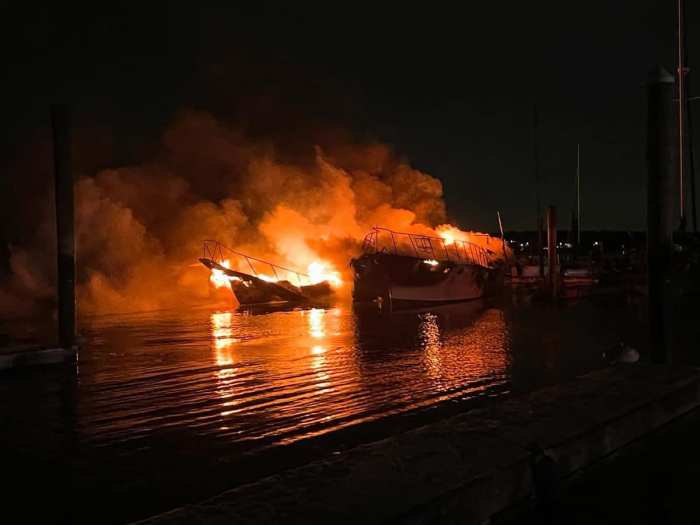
(65, 229)
(552, 278)
(660, 210)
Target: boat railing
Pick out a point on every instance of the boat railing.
(218, 252)
(383, 240)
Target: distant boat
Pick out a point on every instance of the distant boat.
(576, 278)
(405, 269)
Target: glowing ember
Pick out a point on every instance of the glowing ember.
(219, 278)
(319, 272)
(431, 262)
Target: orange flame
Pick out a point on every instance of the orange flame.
(320, 271)
(450, 234)
(219, 278)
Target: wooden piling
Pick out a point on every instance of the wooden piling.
(660, 212)
(65, 234)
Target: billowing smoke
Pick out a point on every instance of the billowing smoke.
(140, 228)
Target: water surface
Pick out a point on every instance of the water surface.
(170, 406)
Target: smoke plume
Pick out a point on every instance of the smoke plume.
(139, 229)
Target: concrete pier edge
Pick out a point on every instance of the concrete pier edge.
(470, 467)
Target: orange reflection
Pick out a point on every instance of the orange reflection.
(306, 372)
(222, 331)
(318, 350)
(429, 335)
(469, 353)
(317, 330)
(430, 332)
(317, 323)
(223, 340)
(318, 362)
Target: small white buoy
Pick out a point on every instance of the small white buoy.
(628, 355)
(621, 353)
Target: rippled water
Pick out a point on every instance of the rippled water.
(285, 375)
(282, 376)
(170, 405)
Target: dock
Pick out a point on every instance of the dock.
(471, 467)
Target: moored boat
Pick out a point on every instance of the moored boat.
(265, 282)
(406, 269)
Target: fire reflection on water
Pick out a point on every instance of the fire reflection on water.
(222, 334)
(479, 349)
(317, 325)
(317, 330)
(294, 374)
(257, 380)
(222, 342)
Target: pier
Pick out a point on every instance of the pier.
(470, 468)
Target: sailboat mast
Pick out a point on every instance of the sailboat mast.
(681, 114)
(537, 190)
(690, 172)
(578, 194)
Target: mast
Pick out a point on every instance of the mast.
(691, 160)
(578, 194)
(682, 103)
(537, 190)
(689, 126)
(503, 238)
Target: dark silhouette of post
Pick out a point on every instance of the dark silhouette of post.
(552, 280)
(660, 198)
(65, 235)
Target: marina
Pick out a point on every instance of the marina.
(235, 395)
(276, 264)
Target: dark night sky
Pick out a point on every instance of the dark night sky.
(452, 89)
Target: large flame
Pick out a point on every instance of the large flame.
(450, 234)
(320, 271)
(218, 278)
(495, 248)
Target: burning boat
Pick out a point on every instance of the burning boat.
(255, 286)
(404, 269)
